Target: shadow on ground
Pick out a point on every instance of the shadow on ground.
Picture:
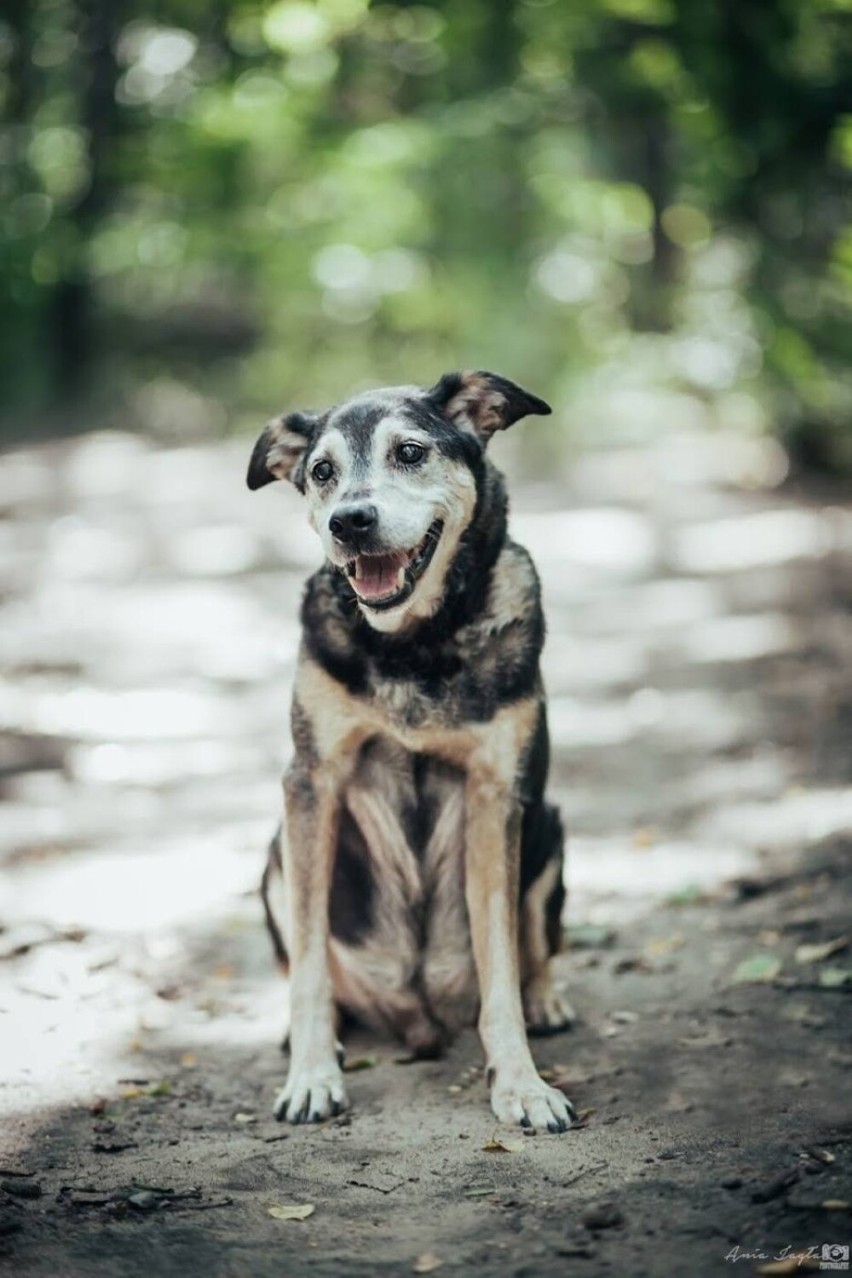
(697, 667)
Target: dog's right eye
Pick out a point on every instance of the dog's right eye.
(322, 472)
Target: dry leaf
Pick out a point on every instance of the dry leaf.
(360, 1062)
(426, 1264)
(833, 978)
(245, 1118)
(292, 1211)
(836, 1204)
(816, 953)
(503, 1145)
(757, 970)
(583, 1116)
(589, 936)
(665, 945)
(189, 1060)
(796, 1263)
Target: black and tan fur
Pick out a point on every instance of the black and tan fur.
(417, 880)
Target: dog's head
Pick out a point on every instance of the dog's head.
(390, 478)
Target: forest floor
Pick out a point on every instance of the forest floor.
(701, 709)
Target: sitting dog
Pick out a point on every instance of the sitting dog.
(418, 873)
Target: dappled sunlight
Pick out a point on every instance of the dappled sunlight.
(754, 541)
(612, 540)
(148, 634)
(793, 820)
(612, 881)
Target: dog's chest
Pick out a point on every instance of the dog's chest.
(443, 689)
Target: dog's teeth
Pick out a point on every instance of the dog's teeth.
(400, 577)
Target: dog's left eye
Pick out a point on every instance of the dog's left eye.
(410, 453)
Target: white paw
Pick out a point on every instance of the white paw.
(545, 1012)
(310, 1095)
(526, 1099)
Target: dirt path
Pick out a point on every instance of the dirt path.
(701, 704)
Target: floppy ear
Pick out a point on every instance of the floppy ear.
(279, 449)
(483, 402)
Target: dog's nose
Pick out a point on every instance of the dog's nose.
(352, 521)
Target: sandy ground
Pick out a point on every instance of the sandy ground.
(701, 703)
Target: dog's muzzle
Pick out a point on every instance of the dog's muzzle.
(385, 580)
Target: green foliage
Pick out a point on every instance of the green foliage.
(270, 203)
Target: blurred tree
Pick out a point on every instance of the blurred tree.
(249, 200)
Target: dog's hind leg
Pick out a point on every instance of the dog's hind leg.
(543, 896)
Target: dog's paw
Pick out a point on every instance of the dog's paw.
(545, 1012)
(528, 1100)
(311, 1095)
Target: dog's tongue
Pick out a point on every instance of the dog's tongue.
(378, 575)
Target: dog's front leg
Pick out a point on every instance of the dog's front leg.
(314, 1089)
(492, 854)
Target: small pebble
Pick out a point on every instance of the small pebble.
(603, 1215)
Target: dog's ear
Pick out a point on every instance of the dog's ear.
(483, 402)
(280, 449)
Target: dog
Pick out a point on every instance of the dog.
(416, 883)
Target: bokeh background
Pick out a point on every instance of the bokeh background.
(642, 206)
(213, 210)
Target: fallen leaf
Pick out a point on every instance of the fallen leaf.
(482, 1192)
(759, 969)
(583, 1116)
(833, 978)
(245, 1118)
(589, 936)
(692, 894)
(796, 1263)
(292, 1211)
(503, 1145)
(360, 1062)
(665, 945)
(821, 1155)
(426, 1264)
(817, 953)
(836, 1204)
(189, 1060)
(645, 836)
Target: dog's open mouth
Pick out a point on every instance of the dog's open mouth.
(386, 580)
